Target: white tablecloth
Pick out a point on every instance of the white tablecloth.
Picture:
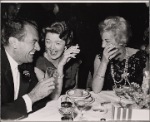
(50, 111)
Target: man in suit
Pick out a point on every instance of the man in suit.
(20, 90)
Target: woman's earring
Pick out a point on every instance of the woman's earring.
(65, 48)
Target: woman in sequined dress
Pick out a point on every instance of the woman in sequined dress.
(117, 64)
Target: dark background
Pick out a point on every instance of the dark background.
(90, 15)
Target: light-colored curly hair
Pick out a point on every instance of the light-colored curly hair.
(119, 26)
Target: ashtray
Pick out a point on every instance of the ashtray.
(78, 93)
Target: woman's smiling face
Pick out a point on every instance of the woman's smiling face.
(54, 45)
(108, 38)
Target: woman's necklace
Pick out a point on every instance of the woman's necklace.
(125, 74)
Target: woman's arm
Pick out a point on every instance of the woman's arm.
(39, 73)
(99, 74)
(58, 82)
(100, 66)
(68, 54)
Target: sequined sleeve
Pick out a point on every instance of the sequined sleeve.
(137, 63)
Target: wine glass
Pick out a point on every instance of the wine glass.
(49, 72)
(81, 105)
(119, 92)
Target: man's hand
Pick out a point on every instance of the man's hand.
(42, 89)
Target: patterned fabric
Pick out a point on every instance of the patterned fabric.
(70, 71)
(136, 64)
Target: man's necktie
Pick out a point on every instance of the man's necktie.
(24, 81)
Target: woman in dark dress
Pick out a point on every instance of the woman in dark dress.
(58, 55)
(117, 64)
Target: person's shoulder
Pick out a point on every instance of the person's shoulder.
(132, 51)
(41, 63)
(137, 54)
(40, 59)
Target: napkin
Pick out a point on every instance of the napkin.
(120, 113)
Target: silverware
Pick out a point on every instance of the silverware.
(98, 109)
(106, 102)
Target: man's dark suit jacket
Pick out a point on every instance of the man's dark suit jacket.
(10, 108)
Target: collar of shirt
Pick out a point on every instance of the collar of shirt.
(13, 63)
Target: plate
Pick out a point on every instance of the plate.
(88, 100)
(78, 93)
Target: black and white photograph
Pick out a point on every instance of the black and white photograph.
(75, 60)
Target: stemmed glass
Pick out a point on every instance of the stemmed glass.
(81, 105)
(118, 91)
(49, 72)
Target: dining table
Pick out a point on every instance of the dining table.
(105, 99)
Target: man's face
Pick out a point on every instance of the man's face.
(27, 47)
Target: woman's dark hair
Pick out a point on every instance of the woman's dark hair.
(63, 30)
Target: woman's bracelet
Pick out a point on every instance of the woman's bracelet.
(100, 76)
(60, 76)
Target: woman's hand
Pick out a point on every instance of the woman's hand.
(71, 52)
(110, 52)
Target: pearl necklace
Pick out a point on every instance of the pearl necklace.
(125, 72)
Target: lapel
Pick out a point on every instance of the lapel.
(28, 80)
(7, 79)
(7, 84)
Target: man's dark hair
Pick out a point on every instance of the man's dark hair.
(15, 28)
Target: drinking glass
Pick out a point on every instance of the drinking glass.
(66, 118)
(81, 105)
(49, 72)
(67, 108)
(66, 102)
(118, 91)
